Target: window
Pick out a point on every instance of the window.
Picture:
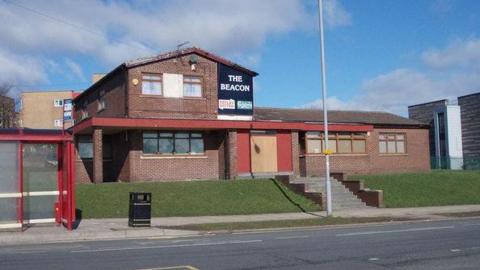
(343, 143)
(101, 101)
(58, 103)
(85, 147)
(391, 143)
(151, 84)
(168, 143)
(192, 86)
(58, 123)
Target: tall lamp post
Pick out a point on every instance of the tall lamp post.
(327, 152)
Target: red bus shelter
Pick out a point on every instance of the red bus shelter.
(36, 178)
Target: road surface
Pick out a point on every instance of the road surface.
(453, 244)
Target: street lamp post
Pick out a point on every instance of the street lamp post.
(327, 152)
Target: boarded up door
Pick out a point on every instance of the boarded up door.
(263, 149)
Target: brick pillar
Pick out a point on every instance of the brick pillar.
(97, 156)
(232, 154)
(295, 154)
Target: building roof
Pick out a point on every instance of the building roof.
(179, 53)
(469, 95)
(444, 101)
(334, 116)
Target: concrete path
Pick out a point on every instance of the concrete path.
(105, 229)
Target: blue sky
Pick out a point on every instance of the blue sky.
(381, 55)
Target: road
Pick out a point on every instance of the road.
(453, 244)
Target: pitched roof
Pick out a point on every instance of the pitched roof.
(335, 116)
(179, 53)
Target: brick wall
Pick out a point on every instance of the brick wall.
(146, 106)
(416, 159)
(114, 89)
(164, 168)
(232, 153)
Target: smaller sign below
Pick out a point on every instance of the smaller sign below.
(67, 105)
(226, 104)
(244, 104)
(67, 116)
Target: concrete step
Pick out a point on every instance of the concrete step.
(342, 198)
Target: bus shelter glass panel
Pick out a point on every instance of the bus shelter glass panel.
(40, 182)
(10, 195)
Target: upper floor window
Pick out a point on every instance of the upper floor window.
(192, 86)
(85, 146)
(58, 103)
(164, 142)
(391, 143)
(58, 123)
(152, 84)
(342, 142)
(101, 101)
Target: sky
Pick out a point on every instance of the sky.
(380, 55)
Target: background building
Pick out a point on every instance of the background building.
(470, 110)
(7, 112)
(454, 131)
(43, 109)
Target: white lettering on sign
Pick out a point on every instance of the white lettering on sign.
(235, 87)
(226, 104)
(234, 78)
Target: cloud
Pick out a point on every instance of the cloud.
(110, 32)
(115, 31)
(336, 14)
(15, 69)
(440, 78)
(459, 54)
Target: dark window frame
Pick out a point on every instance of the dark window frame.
(158, 137)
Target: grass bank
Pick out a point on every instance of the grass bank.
(199, 198)
(435, 188)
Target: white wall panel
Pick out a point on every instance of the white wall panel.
(172, 85)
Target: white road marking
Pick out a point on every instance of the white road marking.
(455, 250)
(169, 246)
(292, 237)
(396, 231)
(187, 267)
(373, 259)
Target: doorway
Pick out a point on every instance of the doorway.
(263, 149)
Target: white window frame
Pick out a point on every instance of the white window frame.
(58, 121)
(58, 102)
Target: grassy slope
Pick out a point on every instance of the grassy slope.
(427, 189)
(192, 198)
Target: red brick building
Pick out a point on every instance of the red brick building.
(189, 114)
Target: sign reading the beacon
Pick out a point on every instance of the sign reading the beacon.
(235, 92)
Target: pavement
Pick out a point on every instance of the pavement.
(446, 244)
(111, 229)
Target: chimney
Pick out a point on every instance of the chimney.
(97, 76)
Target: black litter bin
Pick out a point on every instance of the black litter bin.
(139, 212)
